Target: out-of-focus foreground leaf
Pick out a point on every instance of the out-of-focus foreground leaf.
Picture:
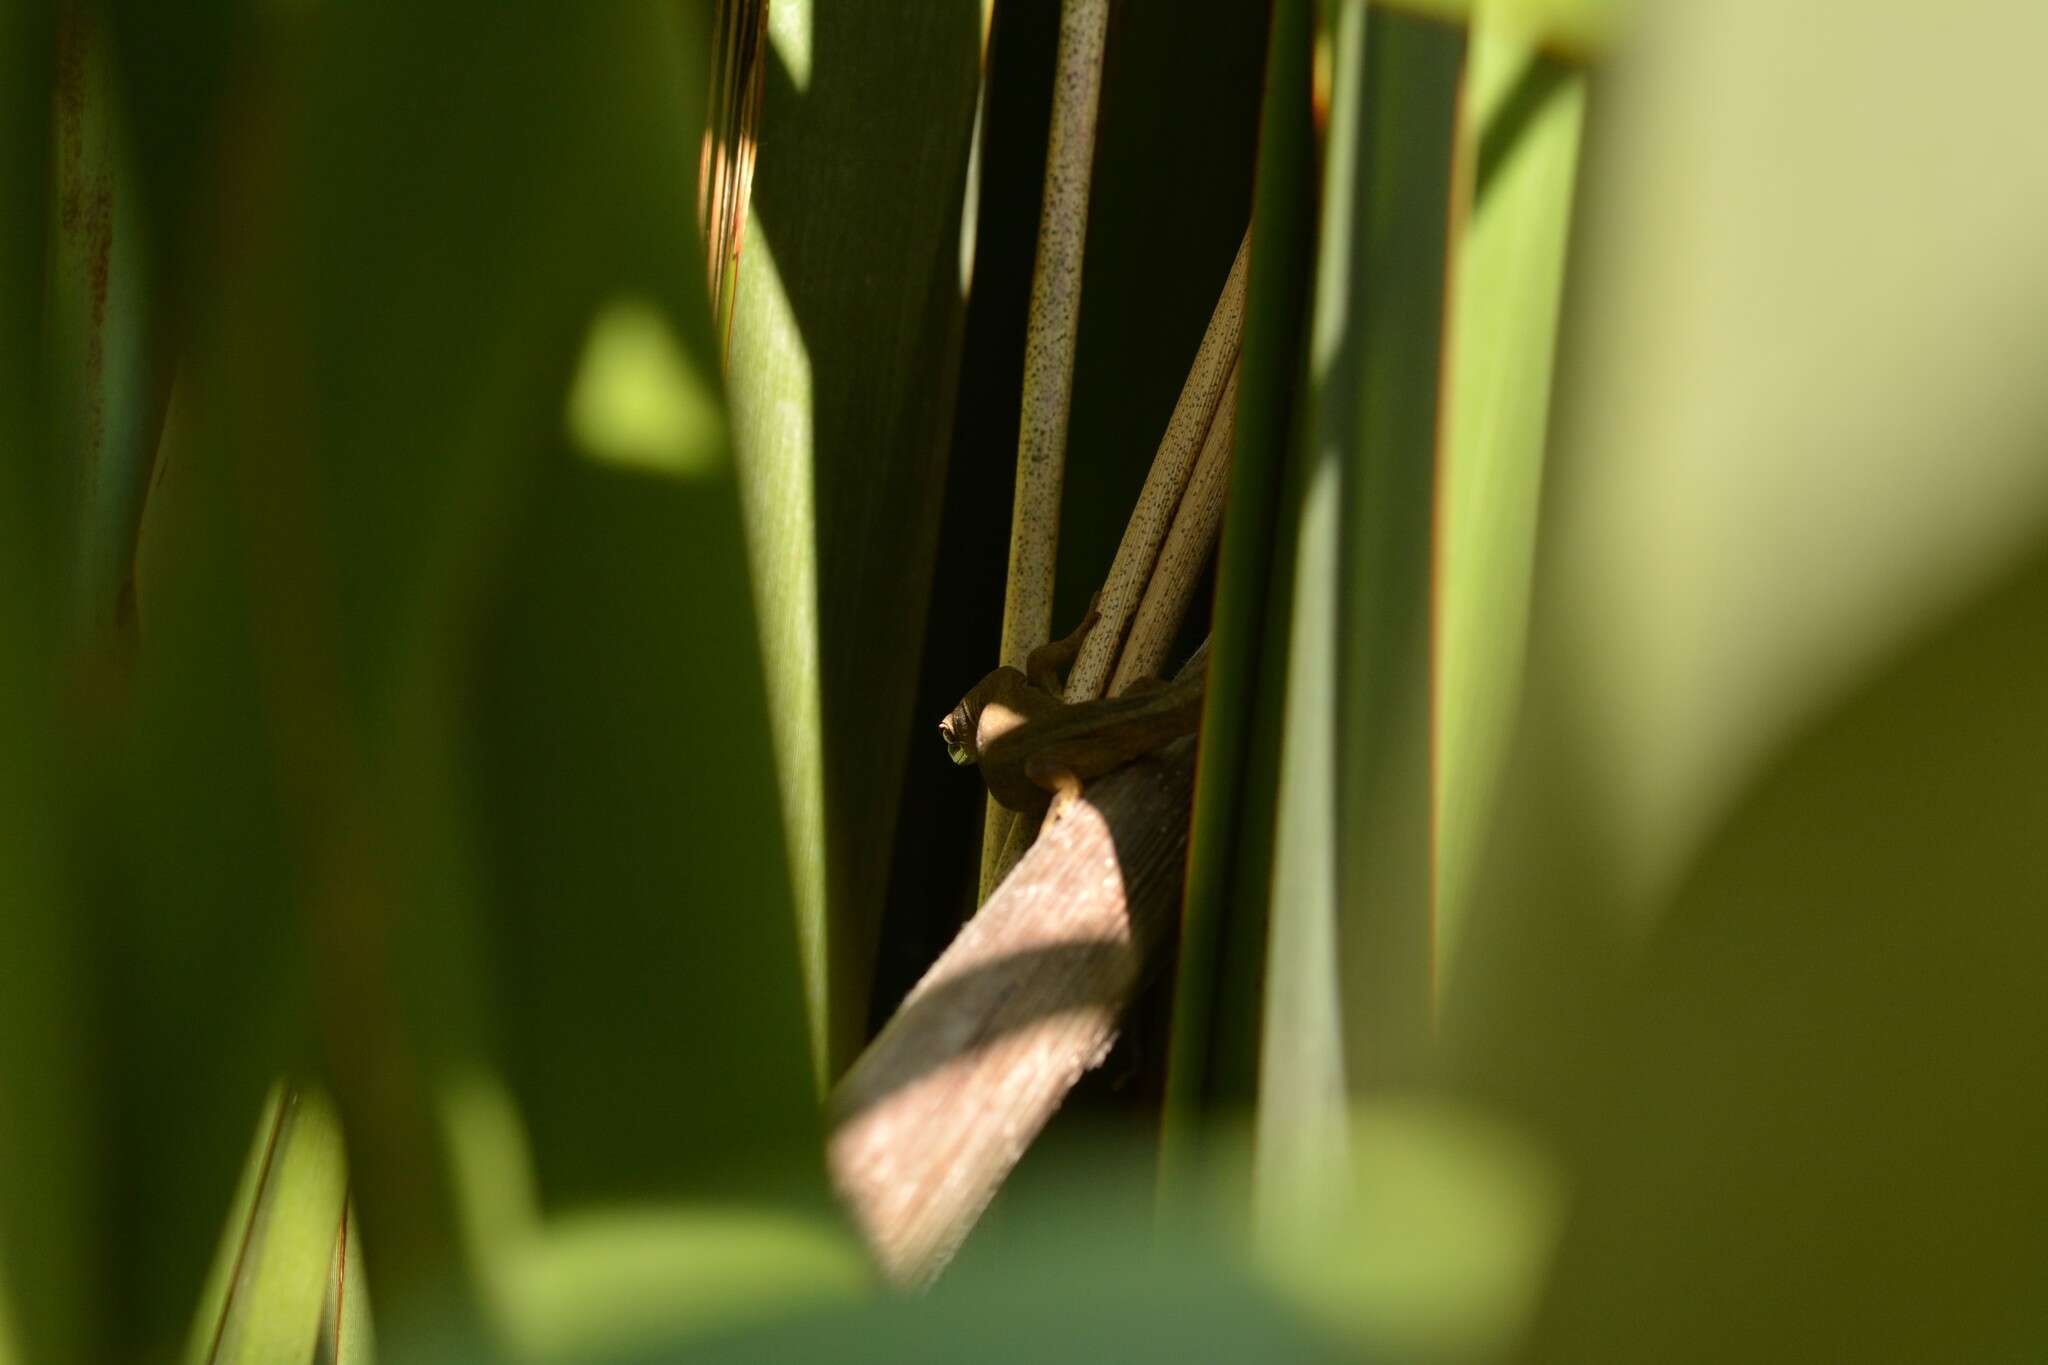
(347, 1333)
(1754, 511)
(1810, 1127)
(845, 346)
(1754, 944)
(270, 1278)
(107, 392)
(48, 1245)
(1433, 1242)
(447, 652)
(1081, 1279)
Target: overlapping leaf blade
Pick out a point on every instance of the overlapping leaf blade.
(844, 352)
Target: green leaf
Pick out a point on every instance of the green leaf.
(1743, 526)
(1348, 968)
(1080, 1280)
(1576, 28)
(1222, 952)
(845, 346)
(347, 1334)
(623, 1278)
(1377, 409)
(49, 1243)
(277, 1256)
(1520, 137)
(453, 656)
(1805, 1122)
(1745, 945)
(106, 374)
(1434, 1239)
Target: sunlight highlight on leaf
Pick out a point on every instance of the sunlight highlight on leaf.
(790, 29)
(637, 401)
(772, 430)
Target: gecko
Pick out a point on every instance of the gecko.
(1035, 750)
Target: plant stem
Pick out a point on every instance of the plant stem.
(1193, 416)
(1049, 354)
(1186, 552)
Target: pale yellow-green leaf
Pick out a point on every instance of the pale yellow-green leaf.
(1434, 1239)
(1803, 416)
(1522, 123)
(282, 1264)
(1581, 28)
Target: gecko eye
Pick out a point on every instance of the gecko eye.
(958, 732)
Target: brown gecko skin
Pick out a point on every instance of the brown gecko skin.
(1031, 746)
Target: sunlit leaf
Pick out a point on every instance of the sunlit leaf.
(1577, 28)
(278, 1250)
(637, 401)
(1799, 411)
(1520, 140)
(844, 349)
(1348, 971)
(347, 1333)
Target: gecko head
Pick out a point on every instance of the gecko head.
(957, 729)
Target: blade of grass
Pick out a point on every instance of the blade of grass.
(347, 1336)
(49, 1247)
(1576, 29)
(1222, 951)
(108, 398)
(280, 1257)
(1348, 970)
(1520, 140)
(434, 640)
(844, 348)
(1386, 381)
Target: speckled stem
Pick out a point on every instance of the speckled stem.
(1136, 554)
(1049, 354)
(1186, 552)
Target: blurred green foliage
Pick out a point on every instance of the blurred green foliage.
(455, 725)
